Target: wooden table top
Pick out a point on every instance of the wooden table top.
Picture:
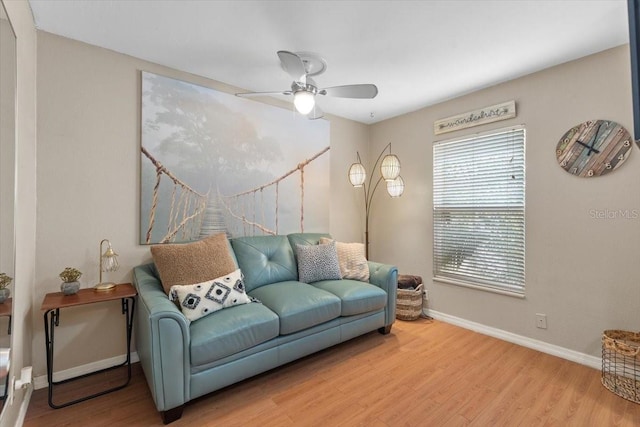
(55, 300)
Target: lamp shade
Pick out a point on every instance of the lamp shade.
(110, 260)
(304, 101)
(390, 167)
(357, 174)
(395, 188)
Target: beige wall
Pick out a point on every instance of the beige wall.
(580, 271)
(21, 19)
(88, 184)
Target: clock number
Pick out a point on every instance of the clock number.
(574, 170)
(608, 165)
(564, 163)
(627, 143)
(558, 152)
(590, 173)
(621, 157)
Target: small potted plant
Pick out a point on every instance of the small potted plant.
(70, 284)
(5, 292)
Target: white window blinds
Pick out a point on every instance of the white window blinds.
(478, 211)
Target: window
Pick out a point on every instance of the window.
(478, 211)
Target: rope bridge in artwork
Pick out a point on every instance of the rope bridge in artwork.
(193, 215)
(246, 209)
(186, 208)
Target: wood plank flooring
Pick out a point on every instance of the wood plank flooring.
(425, 373)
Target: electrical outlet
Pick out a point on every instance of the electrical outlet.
(425, 294)
(541, 321)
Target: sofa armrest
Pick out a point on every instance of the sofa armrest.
(386, 277)
(162, 341)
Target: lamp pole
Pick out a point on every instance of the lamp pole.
(389, 171)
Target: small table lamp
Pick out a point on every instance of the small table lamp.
(108, 262)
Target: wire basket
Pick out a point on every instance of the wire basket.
(409, 303)
(621, 363)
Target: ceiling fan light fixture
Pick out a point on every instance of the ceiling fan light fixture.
(304, 101)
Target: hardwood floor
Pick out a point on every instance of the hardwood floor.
(425, 373)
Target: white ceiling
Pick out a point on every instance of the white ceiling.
(418, 53)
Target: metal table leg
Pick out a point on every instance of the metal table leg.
(52, 320)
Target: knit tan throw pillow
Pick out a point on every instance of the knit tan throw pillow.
(353, 264)
(189, 263)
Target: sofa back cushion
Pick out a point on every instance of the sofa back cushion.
(306, 238)
(264, 260)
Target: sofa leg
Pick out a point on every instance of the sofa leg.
(385, 329)
(172, 414)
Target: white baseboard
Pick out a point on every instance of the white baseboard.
(41, 381)
(554, 350)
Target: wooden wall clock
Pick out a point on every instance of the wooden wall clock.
(594, 148)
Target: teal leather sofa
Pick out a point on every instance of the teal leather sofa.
(183, 360)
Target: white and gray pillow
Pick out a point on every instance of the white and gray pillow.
(204, 298)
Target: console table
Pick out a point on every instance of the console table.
(51, 306)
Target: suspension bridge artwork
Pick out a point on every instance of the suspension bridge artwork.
(211, 162)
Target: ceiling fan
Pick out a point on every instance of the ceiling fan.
(301, 66)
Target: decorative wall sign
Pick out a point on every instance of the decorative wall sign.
(494, 113)
(594, 148)
(212, 162)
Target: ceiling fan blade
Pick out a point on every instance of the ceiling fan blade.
(292, 64)
(250, 94)
(364, 91)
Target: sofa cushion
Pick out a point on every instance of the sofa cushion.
(351, 256)
(196, 262)
(204, 298)
(230, 331)
(298, 305)
(357, 297)
(264, 260)
(318, 262)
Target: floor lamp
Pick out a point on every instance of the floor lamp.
(389, 172)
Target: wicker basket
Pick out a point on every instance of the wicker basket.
(621, 363)
(409, 303)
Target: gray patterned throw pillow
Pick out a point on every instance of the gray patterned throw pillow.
(318, 262)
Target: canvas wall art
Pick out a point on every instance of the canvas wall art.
(212, 162)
